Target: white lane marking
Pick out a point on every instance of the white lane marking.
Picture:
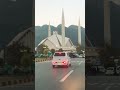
(80, 62)
(64, 78)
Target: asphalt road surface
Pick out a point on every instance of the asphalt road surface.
(27, 86)
(103, 83)
(49, 78)
(72, 78)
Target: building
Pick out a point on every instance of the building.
(105, 28)
(57, 41)
(94, 21)
(26, 38)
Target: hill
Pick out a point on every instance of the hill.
(41, 32)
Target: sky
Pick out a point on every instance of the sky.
(51, 10)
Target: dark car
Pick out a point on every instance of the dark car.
(73, 55)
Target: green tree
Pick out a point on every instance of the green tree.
(13, 54)
(45, 51)
(60, 50)
(26, 59)
(106, 53)
(79, 48)
(41, 48)
(53, 51)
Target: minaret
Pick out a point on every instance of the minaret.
(63, 29)
(79, 32)
(49, 30)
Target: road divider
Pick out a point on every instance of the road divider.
(64, 78)
(42, 59)
(16, 81)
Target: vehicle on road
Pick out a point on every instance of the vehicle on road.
(118, 70)
(109, 71)
(75, 55)
(61, 59)
(83, 56)
(101, 68)
(72, 55)
(79, 56)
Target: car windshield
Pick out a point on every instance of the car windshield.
(59, 54)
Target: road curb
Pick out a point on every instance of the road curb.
(42, 60)
(16, 82)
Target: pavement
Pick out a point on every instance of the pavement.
(60, 78)
(49, 78)
(103, 83)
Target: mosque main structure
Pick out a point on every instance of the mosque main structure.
(57, 41)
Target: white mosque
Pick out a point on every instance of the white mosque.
(57, 41)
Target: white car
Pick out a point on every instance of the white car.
(61, 59)
(109, 71)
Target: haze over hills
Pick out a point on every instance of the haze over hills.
(41, 32)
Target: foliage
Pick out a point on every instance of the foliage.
(41, 48)
(109, 63)
(26, 60)
(60, 49)
(79, 48)
(45, 51)
(107, 52)
(53, 51)
(14, 53)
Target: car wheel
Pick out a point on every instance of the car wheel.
(70, 64)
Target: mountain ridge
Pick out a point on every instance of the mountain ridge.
(41, 32)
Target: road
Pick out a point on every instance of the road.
(103, 83)
(48, 78)
(27, 86)
(72, 78)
